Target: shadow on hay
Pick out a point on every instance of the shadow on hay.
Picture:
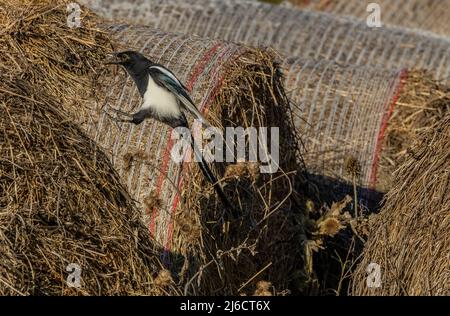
(338, 258)
(328, 190)
(409, 239)
(332, 266)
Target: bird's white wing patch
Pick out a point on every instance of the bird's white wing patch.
(161, 101)
(186, 103)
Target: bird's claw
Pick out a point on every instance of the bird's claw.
(120, 112)
(122, 120)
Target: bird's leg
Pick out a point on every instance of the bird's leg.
(125, 121)
(117, 119)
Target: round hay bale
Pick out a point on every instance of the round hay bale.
(305, 34)
(363, 114)
(423, 16)
(234, 86)
(421, 102)
(409, 240)
(341, 111)
(64, 214)
(358, 123)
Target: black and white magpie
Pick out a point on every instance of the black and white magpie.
(164, 99)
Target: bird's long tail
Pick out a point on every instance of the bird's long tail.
(212, 179)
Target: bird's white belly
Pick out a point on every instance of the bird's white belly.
(160, 100)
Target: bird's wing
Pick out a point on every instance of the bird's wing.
(165, 78)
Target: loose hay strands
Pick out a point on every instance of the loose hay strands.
(37, 46)
(292, 32)
(62, 203)
(419, 15)
(421, 103)
(410, 240)
(234, 86)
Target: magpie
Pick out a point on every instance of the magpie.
(164, 99)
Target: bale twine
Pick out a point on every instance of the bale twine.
(292, 32)
(409, 240)
(63, 208)
(233, 86)
(423, 16)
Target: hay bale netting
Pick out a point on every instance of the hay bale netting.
(292, 32)
(363, 116)
(410, 237)
(429, 15)
(61, 204)
(234, 86)
(341, 111)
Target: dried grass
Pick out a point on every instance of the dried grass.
(421, 103)
(266, 243)
(409, 239)
(38, 47)
(61, 202)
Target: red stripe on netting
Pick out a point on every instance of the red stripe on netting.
(200, 67)
(214, 91)
(384, 124)
(165, 163)
(180, 183)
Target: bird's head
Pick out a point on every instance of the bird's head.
(133, 62)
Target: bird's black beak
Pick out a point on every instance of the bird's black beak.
(113, 60)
